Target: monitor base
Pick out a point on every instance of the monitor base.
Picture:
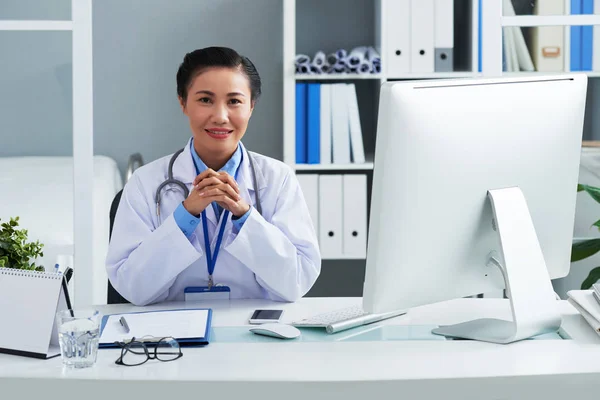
(528, 286)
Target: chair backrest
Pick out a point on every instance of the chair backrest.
(113, 297)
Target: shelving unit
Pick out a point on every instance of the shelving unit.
(83, 154)
(491, 20)
(367, 85)
(379, 43)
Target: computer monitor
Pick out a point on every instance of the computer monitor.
(474, 188)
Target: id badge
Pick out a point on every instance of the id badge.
(195, 293)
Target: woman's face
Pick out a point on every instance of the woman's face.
(219, 107)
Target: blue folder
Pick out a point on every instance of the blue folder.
(183, 342)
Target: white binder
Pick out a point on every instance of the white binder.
(29, 302)
(422, 36)
(548, 42)
(444, 35)
(325, 123)
(355, 216)
(330, 216)
(356, 139)
(340, 125)
(310, 188)
(397, 26)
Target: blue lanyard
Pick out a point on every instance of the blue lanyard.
(210, 260)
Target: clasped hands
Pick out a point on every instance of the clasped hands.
(212, 186)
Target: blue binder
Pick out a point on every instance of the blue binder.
(587, 37)
(313, 118)
(301, 128)
(183, 341)
(576, 35)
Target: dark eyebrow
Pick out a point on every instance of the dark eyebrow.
(208, 92)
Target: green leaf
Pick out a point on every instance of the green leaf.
(597, 224)
(579, 187)
(584, 249)
(592, 278)
(594, 192)
(15, 251)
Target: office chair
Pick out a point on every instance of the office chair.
(113, 297)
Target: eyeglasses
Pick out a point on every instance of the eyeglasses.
(135, 352)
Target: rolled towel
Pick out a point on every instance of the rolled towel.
(372, 55)
(332, 59)
(302, 59)
(338, 68)
(304, 69)
(356, 56)
(319, 59)
(375, 68)
(337, 57)
(365, 67)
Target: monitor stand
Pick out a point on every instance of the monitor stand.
(528, 286)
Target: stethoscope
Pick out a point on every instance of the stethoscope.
(172, 181)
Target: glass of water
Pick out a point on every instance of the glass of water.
(78, 335)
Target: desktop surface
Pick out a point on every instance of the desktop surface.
(352, 369)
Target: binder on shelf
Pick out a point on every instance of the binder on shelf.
(29, 301)
(340, 131)
(355, 216)
(301, 129)
(596, 39)
(397, 18)
(576, 31)
(548, 42)
(523, 58)
(313, 123)
(444, 35)
(190, 327)
(356, 139)
(309, 183)
(330, 216)
(422, 36)
(587, 37)
(325, 124)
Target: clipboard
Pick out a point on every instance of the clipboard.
(158, 324)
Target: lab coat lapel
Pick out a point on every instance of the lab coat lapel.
(246, 181)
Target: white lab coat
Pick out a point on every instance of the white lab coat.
(274, 256)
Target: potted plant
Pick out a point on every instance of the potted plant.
(585, 248)
(15, 251)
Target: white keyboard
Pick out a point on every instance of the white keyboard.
(322, 320)
(342, 319)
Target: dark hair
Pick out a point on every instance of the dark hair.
(198, 60)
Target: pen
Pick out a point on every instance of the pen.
(124, 324)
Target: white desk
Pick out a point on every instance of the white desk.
(545, 369)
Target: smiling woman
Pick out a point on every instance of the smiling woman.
(217, 90)
(267, 249)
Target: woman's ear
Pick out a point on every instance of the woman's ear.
(182, 104)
